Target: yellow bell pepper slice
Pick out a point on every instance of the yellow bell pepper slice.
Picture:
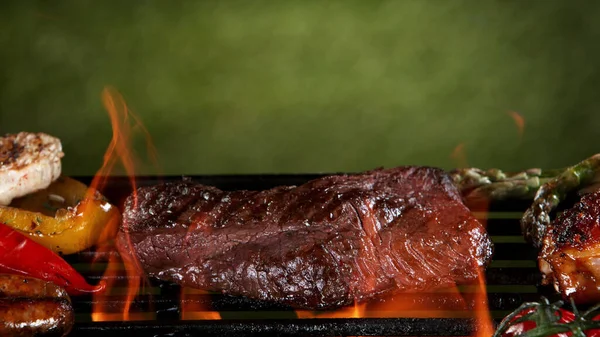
(67, 217)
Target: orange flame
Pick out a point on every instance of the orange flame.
(484, 323)
(519, 122)
(459, 156)
(481, 312)
(442, 303)
(193, 310)
(123, 122)
(451, 302)
(356, 311)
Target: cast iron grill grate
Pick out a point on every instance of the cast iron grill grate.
(512, 278)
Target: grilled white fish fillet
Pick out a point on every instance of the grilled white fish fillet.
(28, 162)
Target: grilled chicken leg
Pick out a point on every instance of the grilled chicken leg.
(570, 255)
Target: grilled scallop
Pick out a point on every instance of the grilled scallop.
(28, 162)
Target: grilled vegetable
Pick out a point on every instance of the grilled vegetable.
(22, 256)
(544, 319)
(536, 220)
(495, 184)
(67, 217)
(32, 307)
(28, 162)
(546, 187)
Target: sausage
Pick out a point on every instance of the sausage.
(33, 307)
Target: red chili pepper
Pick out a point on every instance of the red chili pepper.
(23, 256)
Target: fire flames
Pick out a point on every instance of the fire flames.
(123, 265)
(459, 156)
(519, 122)
(193, 310)
(450, 302)
(118, 150)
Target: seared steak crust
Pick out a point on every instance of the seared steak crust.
(320, 245)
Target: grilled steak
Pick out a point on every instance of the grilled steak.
(570, 255)
(320, 245)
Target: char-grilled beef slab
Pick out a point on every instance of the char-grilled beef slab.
(320, 245)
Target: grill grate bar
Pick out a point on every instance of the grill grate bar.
(285, 327)
(496, 301)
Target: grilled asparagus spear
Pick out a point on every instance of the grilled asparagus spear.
(546, 188)
(536, 220)
(494, 184)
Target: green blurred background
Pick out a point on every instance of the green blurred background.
(308, 86)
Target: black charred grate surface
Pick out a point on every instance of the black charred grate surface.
(512, 278)
(290, 327)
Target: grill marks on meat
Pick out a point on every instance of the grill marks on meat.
(570, 256)
(320, 245)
